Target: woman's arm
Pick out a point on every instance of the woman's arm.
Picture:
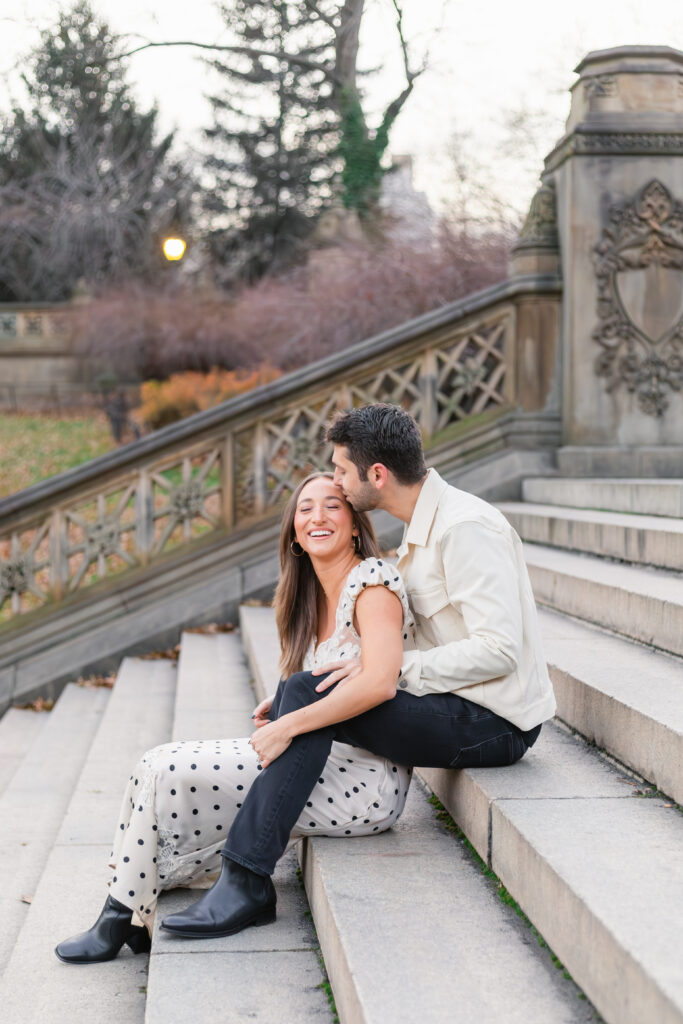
(380, 621)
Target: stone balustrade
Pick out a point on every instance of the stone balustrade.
(233, 466)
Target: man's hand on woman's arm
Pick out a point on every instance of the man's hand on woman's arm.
(340, 672)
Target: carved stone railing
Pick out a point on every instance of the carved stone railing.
(232, 466)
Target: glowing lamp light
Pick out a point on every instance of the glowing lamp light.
(174, 249)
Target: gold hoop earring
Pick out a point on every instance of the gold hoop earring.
(299, 553)
(356, 543)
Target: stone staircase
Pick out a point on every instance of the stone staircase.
(409, 926)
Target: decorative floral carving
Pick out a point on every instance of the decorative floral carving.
(600, 85)
(624, 143)
(8, 325)
(540, 227)
(187, 499)
(34, 325)
(639, 269)
(15, 575)
(102, 537)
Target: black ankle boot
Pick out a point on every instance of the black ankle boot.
(103, 941)
(238, 899)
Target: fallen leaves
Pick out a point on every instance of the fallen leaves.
(212, 627)
(39, 704)
(94, 682)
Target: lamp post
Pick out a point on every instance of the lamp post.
(174, 248)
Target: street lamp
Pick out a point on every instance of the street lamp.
(174, 249)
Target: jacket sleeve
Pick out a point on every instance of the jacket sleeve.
(481, 583)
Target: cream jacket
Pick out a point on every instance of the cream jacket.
(476, 628)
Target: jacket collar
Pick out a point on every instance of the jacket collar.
(417, 530)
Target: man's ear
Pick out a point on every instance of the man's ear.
(378, 475)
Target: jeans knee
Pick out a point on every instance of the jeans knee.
(299, 688)
(300, 682)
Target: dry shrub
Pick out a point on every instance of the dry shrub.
(164, 402)
(342, 295)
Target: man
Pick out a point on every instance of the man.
(474, 692)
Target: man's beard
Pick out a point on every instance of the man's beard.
(364, 500)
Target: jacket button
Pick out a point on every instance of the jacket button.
(403, 684)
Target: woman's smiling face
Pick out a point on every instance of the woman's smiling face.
(323, 521)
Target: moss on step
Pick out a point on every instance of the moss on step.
(325, 983)
(504, 895)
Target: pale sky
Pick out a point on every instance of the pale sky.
(488, 60)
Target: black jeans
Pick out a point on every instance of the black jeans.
(436, 730)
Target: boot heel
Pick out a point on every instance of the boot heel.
(267, 917)
(140, 943)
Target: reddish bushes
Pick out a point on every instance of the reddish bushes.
(164, 402)
(342, 295)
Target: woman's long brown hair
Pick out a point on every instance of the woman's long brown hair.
(298, 589)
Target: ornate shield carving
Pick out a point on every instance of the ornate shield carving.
(639, 269)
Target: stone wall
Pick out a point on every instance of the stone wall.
(38, 364)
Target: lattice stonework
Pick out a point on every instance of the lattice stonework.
(186, 500)
(471, 374)
(25, 568)
(99, 536)
(399, 385)
(294, 445)
(243, 475)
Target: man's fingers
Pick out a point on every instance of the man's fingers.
(325, 684)
(332, 667)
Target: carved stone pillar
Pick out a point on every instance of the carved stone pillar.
(618, 181)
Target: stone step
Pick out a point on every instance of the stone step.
(266, 975)
(34, 802)
(623, 697)
(646, 540)
(646, 497)
(73, 888)
(18, 730)
(639, 602)
(594, 865)
(404, 916)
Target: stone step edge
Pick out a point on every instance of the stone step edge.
(643, 541)
(603, 517)
(637, 735)
(465, 798)
(236, 708)
(19, 728)
(637, 602)
(95, 703)
(642, 493)
(41, 903)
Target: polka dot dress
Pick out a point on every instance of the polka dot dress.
(182, 797)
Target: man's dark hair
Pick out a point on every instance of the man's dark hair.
(381, 433)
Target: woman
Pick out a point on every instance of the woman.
(336, 600)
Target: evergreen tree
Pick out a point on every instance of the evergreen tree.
(274, 138)
(85, 187)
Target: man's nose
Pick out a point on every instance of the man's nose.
(336, 479)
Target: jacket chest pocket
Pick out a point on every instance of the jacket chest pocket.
(427, 603)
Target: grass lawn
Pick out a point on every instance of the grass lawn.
(33, 447)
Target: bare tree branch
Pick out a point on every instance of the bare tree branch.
(314, 8)
(249, 51)
(394, 108)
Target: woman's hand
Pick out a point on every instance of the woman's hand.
(340, 672)
(260, 715)
(271, 740)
